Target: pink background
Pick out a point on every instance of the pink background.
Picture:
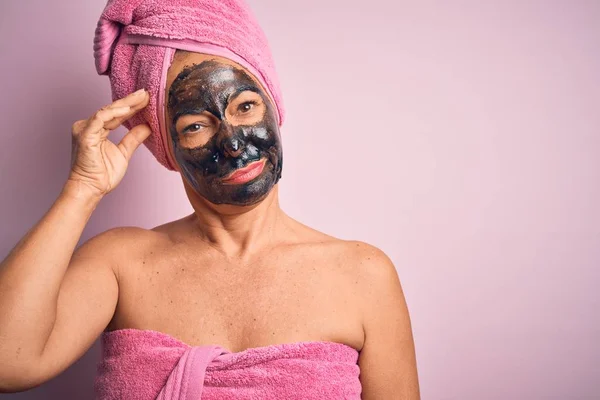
(462, 140)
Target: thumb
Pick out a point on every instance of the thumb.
(132, 140)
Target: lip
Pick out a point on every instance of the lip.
(247, 173)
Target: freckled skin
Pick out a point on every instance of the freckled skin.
(209, 87)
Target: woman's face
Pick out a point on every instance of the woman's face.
(223, 129)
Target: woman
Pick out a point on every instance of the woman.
(236, 300)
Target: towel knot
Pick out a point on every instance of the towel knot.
(105, 37)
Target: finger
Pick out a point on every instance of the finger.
(116, 122)
(78, 126)
(136, 101)
(96, 123)
(132, 99)
(132, 140)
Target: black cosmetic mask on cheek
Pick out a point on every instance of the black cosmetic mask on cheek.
(207, 87)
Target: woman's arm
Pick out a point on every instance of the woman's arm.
(42, 284)
(387, 361)
(30, 283)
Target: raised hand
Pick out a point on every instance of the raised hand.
(97, 164)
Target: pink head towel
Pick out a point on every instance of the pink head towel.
(136, 40)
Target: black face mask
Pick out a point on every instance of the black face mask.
(208, 87)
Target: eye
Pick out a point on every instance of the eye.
(247, 106)
(196, 127)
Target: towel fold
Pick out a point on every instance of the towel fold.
(144, 364)
(135, 42)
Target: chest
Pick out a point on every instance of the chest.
(282, 297)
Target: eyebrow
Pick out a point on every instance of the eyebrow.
(244, 88)
(186, 111)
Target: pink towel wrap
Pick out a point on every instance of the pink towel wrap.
(136, 40)
(144, 364)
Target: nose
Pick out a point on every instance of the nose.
(233, 147)
(229, 142)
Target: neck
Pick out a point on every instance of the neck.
(238, 231)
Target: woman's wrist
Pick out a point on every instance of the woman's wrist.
(78, 191)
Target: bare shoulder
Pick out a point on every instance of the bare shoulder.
(134, 233)
(371, 263)
(373, 272)
(369, 269)
(119, 245)
(116, 240)
(378, 284)
(365, 261)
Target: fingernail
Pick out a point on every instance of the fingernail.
(138, 92)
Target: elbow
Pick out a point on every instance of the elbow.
(15, 379)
